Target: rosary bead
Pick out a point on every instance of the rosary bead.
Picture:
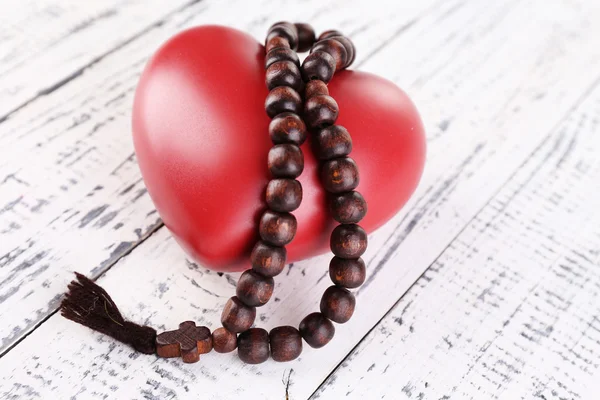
(348, 241)
(340, 175)
(281, 54)
(316, 330)
(329, 33)
(223, 340)
(320, 111)
(318, 65)
(253, 346)
(337, 304)
(333, 142)
(348, 208)
(336, 49)
(282, 99)
(287, 128)
(285, 161)
(284, 195)
(348, 273)
(268, 260)
(277, 42)
(285, 30)
(254, 289)
(283, 73)
(306, 37)
(277, 228)
(236, 316)
(286, 343)
(350, 49)
(315, 88)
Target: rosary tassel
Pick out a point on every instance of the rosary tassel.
(88, 304)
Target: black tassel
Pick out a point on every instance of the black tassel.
(88, 304)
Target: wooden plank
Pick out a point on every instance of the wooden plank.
(81, 205)
(44, 45)
(510, 309)
(476, 128)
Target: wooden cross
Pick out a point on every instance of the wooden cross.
(189, 341)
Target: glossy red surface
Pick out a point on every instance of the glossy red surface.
(201, 138)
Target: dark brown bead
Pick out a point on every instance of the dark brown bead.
(336, 49)
(340, 175)
(316, 330)
(236, 316)
(283, 99)
(329, 33)
(281, 54)
(348, 208)
(306, 37)
(254, 289)
(283, 73)
(286, 161)
(348, 241)
(350, 49)
(253, 346)
(223, 340)
(333, 142)
(268, 260)
(347, 273)
(337, 304)
(277, 228)
(320, 111)
(315, 88)
(284, 195)
(318, 65)
(286, 343)
(276, 42)
(286, 30)
(287, 128)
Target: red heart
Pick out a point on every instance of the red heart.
(201, 138)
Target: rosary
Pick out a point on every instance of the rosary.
(88, 304)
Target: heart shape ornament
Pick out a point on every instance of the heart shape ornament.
(201, 138)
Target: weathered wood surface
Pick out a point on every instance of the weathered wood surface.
(504, 215)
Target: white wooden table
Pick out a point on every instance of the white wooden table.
(485, 286)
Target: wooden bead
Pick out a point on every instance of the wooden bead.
(254, 289)
(224, 341)
(187, 342)
(328, 34)
(347, 273)
(277, 228)
(315, 88)
(286, 161)
(285, 30)
(340, 175)
(284, 195)
(316, 330)
(276, 42)
(336, 49)
(306, 37)
(283, 73)
(286, 343)
(268, 260)
(287, 128)
(348, 208)
(283, 99)
(350, 49)
(253, 346)
(337, 304)
(320, 111)
(236, 316)
(333, 142)
(348, 241)
(281, 54)
(318, 65)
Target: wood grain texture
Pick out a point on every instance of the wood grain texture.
(486, 113)
(82, 204)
